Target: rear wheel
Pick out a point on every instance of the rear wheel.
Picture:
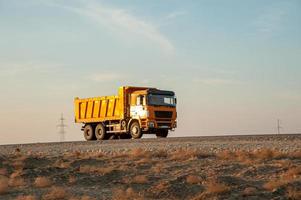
(162, 133)
(100, 132)
(89, 133)
(135, 130)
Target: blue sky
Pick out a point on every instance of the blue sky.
(235, 65)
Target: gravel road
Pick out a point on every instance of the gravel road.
(213, 144)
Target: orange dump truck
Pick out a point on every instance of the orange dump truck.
(134, 112)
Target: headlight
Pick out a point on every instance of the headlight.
(175, 125)
(151, 124)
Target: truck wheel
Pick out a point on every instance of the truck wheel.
(89, 133)
(162, 133)
(135, 130)
(100, 132)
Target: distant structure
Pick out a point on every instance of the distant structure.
(62, 127)
(278, 126)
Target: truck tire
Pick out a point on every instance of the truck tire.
(135, 130)
(100, 132)
(162, 133)
(89, 133)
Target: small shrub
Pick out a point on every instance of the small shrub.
(293, 193)
(16, 182)
(160, 187)
(161, 153)
(273, 185)
(3, 185)
(139, 153)
(295, 155)
(191, 179)
(42, 182)
(140, 179)
(72, 179)
(249, 191)
(225, 155)
(127, 194)
(186, 154)
(95, 169)
(215, 187)
(27, 197)
(55, 193)
(292, 173)
(16, 173)
(3, 171)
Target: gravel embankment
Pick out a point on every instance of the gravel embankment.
(212, 144)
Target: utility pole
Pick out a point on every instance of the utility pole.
(62, 126)
(278, 126)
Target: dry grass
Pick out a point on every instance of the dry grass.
(95, 169)
(264, 154)
(128, 194)
(293, 193)
(215, 187)
(160, 187)
(250, 157)
(186, 154)
(71, 179)
(16, 182)
(62, 164)
(225, 155)
(139, 153)
(140, 179)
(3, 185)
(157, 168)
(82, 198)
(160, 153)
(18, 164)
(295, 155)
(42, 182)
(56, 193)
(249, 191)
(192, 179)
(3, 171)
(292, 173)
(27, 197)
(16, 173)
(274, 184)
(143, 161)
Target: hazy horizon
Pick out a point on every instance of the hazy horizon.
(234, 66)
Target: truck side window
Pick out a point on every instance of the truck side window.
(140, 100)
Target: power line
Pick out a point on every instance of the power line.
(62, 127)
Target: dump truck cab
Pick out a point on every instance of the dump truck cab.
(155, 109)
(134, 112)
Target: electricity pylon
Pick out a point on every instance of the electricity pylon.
(62, 127)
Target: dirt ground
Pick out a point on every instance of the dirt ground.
(157, 173)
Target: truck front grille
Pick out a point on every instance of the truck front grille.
(164, 124)
(163, 114)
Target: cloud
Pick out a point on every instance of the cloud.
(105, 77)
(175, 14)
(215, 81)
(121, 21)
(271, 18)
(13, 69)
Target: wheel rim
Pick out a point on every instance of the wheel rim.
(135, 130)
(99, 132)
(88, 132)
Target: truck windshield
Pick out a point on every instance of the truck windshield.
(161, 100)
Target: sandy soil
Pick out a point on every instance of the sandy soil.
(176, 168)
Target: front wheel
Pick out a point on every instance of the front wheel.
(135, 130)
(162, 133)
(89, 133)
